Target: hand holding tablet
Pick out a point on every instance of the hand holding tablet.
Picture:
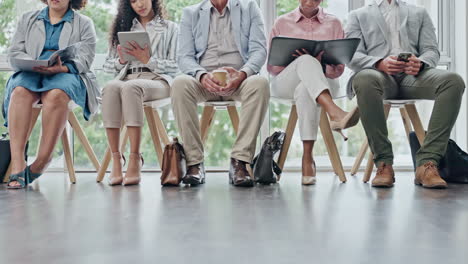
(134, 46)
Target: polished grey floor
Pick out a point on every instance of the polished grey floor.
(55, 222)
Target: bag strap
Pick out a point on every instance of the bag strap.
(254, 161)
(276, 168)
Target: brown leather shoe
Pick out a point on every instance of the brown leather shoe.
(238, 174)
(428, 176)
(195, 175)
(385, 176)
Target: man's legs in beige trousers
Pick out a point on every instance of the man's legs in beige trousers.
(187, 92)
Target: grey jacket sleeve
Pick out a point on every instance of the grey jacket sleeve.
(427, 44)
(186, 47)
(86, 47)
(257, 41)
(17, 46)
(361, 59)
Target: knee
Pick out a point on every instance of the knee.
(261, 87)
(131, 89)
(56, 98)
(366, 81)
(180, 87)
(111, 87)
(23, 96)
(308, 61)
(456, 83)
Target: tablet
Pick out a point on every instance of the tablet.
(140, 37)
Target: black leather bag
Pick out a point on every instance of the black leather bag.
(5, 155)
(265, 169)
(453, 167)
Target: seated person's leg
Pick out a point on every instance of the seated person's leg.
(446, 88)
(309, 119)
(19, 119)
(371, 87)
(186, 93)
(112, 119)
(54, 118)
(254, 93)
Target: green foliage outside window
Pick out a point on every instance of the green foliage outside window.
(221, 135)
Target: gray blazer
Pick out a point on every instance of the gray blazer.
(247, 26)
(417, 35)
(29, 40)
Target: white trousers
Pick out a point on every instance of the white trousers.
(303, 81)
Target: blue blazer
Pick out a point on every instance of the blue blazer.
(248, 27)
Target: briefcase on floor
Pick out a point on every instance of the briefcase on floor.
(174, 164)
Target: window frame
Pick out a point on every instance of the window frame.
(448, 13)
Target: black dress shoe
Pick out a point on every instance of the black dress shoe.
(195, 175)
(238, 174)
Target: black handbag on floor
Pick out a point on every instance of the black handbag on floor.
(454, 165)
(5, 155)
(265, 169)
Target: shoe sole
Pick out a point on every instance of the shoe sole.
(242, 184)
(266, 181)
(193, 181)
(382, 185)
(435, 186)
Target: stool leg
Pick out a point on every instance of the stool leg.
(107, 156)
(207, 118)
(83, 139)
(330, 143)
(234, 116)
(360, 157)
(406, 121)
(369, 168)
(68, 156)
(161, 128)
(154, 133)
(292, 121)
(104, 165)
(417, 124)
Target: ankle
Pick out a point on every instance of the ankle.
(17, 166)
(307, 159)
(39, 165)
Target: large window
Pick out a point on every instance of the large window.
(221, 136)
(279, 113)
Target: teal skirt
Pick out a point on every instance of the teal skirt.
(70, 83)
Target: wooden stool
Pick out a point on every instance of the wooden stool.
(325, 128)
(409, 115)
(209, 110)
(73, 121)
(157, 130)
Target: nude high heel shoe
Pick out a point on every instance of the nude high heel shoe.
(350, 120)
(133, 175)
(116, 178)
(310, 180)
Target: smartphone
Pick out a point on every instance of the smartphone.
(404, 56)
